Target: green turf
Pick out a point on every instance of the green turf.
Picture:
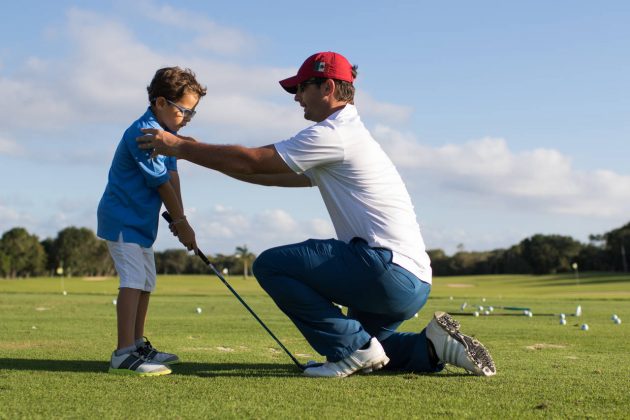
(54, 353)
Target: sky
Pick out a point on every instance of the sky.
(505, 119)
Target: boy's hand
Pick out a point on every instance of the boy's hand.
(185, 234)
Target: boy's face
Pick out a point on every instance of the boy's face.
(176, 114)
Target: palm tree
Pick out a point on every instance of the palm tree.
(243, 253)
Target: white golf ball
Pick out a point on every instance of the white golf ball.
(483, 299)
(475, 313)
(563, 321)
(614, 317)
(65, 293)
(480, 308)
(486, 312)
(450, 298)
(584, 327)
(491, 308)
(563, 316)
(530, 314)
(415, 316)
(617, 321)
(198, 310)
(114, 302)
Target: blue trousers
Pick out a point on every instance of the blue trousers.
(306, 279)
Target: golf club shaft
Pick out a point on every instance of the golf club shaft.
(203, 257)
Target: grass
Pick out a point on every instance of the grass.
(54, 353)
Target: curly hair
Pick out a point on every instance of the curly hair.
(172, 83)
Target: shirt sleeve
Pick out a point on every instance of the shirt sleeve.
(171, 163)
(153, 170)
(312, 147)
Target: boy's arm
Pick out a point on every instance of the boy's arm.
(180, 225)
(175, 182)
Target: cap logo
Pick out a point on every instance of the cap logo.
(320, 66)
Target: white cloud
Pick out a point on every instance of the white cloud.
(210, 35)
(10, 147)
(542, 178)
(222, 229)
(381, 111)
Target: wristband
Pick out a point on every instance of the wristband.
(181, 219)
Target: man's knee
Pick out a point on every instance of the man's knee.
(263, 265)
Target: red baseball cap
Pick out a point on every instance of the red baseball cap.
(329, 65)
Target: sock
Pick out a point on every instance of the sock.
(433, 358)
(366, 345)
(125, 350)
(139, 342)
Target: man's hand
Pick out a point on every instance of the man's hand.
(160, 141)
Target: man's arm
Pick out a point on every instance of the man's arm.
(230, 159)
(275, 180)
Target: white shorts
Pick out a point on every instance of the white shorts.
(135, 265)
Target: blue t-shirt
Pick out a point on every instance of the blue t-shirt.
(131, 202)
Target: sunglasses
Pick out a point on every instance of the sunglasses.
(186, 113)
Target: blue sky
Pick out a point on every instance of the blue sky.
(505, 119)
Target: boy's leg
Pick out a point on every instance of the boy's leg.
(141, 314)
(126, 312)
(129, 262)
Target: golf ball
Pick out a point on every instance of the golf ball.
(617, 321)
(486, 312)
(584, 327)
(198, 310)
(563, 316)
(475, 313)
(65, 293)
(614, 317)
(530, 314)
(415, 316)
(491, 308)
(563, 321)
(114, 302)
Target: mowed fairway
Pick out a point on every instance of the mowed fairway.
(55, 348)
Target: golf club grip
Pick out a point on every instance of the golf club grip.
(205, 259)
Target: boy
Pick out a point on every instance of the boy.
(128, 215)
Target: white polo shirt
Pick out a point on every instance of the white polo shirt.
(363, 192)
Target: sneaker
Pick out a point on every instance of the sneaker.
(135, 364)
(154, 355)
(368, 360)
(451, 346)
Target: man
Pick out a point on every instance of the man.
(377, 268)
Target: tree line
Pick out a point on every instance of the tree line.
(78, 252)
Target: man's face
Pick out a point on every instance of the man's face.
(312, 97)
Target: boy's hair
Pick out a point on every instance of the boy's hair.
(172, 83)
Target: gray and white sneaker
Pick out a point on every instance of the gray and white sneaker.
(458, 349)
(154, 355)
(366, 361)
(135, 364)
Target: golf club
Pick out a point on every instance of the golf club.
(201, 255)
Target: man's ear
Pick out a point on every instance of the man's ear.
(329, 87)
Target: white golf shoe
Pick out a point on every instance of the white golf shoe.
(366, 361)
(154, 355)
(451, 346)
(135, 364)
